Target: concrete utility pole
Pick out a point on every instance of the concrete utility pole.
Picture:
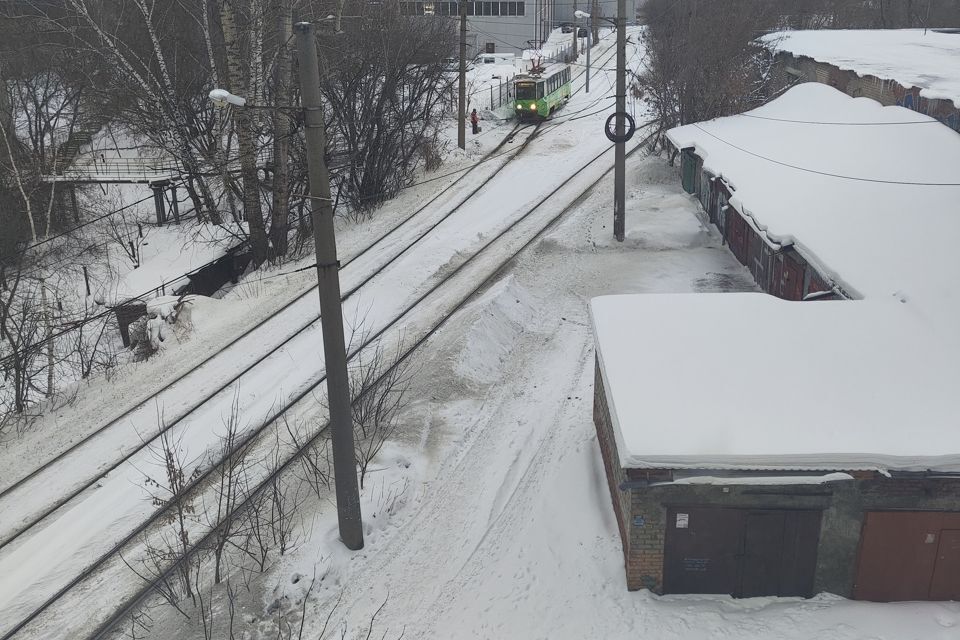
(576, 31)
(620, 159)
(589, 46)
(328, 284)
(462, 107)
(594, 13)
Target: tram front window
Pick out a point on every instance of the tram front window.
(526, 91)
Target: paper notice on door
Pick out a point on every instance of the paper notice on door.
(683, 520)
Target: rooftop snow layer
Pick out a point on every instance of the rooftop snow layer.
(872, 197)
(869, 194)
(749, 381)
(921, 58)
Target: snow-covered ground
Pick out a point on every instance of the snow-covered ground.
(91, 524)
(490, 517)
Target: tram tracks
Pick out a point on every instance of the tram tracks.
(46, 480)
(531, 229)
(91, 483)
(83, 577)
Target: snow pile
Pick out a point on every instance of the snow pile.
(170, 252)
(504, 313)
(924, 58)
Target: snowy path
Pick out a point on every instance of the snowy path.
(88, 527)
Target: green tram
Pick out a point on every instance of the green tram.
(537, 96)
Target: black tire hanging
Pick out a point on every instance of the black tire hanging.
(612, 135)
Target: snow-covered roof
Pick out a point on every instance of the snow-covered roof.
(749, 381)
(869, 194)
(928, 59)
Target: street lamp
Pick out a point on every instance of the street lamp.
(620, 136)
(328, 285)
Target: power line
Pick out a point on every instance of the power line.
(827, 173)
(843, 124)
(79, 226)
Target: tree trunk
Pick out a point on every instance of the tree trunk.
(279, 219)
(252, 210)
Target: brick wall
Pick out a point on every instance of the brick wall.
(611, 459)
(789, 69)
(641, 522)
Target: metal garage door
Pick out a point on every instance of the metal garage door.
(740, 552)
(909, 555)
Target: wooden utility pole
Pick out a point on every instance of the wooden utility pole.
(462, 106)
(328, 284)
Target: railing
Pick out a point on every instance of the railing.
(116, 167)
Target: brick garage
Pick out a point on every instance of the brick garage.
(642, 499)
(760, 444)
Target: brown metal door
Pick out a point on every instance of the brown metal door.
(740, 552)
(792, 280)
(762, 549)
(701, 550)
(898, 553)
(801, 535)
(945, 584)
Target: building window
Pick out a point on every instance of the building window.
(410, 8)
(491, 47)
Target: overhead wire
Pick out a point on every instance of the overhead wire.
(826, 173)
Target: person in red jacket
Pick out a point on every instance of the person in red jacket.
(474, 121)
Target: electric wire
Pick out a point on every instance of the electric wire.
(826, 173)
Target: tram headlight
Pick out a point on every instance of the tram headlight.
(533, 106)
(519, 106)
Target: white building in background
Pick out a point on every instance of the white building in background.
(511, 27)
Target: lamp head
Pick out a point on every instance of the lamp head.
(221, 98)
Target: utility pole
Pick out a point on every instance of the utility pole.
(328, 284)
(620, 159)
(576, 31)
(462, 107)
(593, 21)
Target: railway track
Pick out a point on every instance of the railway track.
(535, 229)
(46, 481)
(84, 577)
(91, 483)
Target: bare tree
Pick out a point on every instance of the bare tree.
(691, 75)
(384, 81)
(170, 493)
(380, 380)
(231, 478)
